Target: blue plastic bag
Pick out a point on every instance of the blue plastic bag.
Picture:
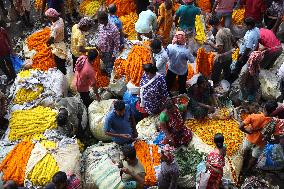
(17, 63)
(159, 139)
(131, 100)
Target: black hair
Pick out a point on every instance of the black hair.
(129, 152)
(150, 68)
(151, 7)
(59, 178)
(201, 79)
(119, 105)
(112, 9)
(250, 22)
(169, 105)
(10, 184)
(92, 55)
(50, 186)
(156, 44)
(3, 24)
(270, 106)
(214, 20)
(62, 116)
(102, 15)
(219, 140)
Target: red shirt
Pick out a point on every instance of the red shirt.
(255, 9)
(4, 45)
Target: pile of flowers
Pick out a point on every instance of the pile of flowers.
(27, 95)
(38, 4)
(235, 54)
(124, 7)
(149, 156)
(128, 23)
(14, 164)
(89, 7)
(204, 62)
(24, 74)
(43, 171)
(200, 30)
(31, 122)
(43, 59)
(238, 16)
(190, 73)
(204, 5)
(102, 80)
(206, 129)
(119, 67)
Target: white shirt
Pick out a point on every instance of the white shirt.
(250, 40)
(146, 23)
(161, 60)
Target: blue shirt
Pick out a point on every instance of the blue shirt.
(187, 14)
(179, 55)
(250, 40)
(115, 20)
(119, 125)
(55, 4)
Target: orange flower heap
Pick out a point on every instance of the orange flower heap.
(204, 5)
(119, 66)
(14, 164)
(190, 73)
(124, 7)
(102, 80)
(143, 151)
(204, 62)
(43, 58)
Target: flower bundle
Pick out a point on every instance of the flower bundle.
(102, 80)
(176, 6)
(128, 22)
(235, 54)
(38, 4)
(238, 16)
(43, 58)
(89, 7)
(119, 66)
(190, 73)
(14, 164)
(200, 36)
(204, 62)
(138, 56)
(27, 95)
(24, 74)
(143, 151)
(204, 5)
(124, 7)
(31, 122)
(43, 171)
(206, 129)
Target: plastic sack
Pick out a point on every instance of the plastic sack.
(17, 63)
(131, 99)
(201, 168)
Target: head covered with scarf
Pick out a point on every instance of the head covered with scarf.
(179, 38)
(52, 13)
(168, 152)
(86, 21)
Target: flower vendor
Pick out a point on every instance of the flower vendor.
(72, 117)
(224, 9)
(58, 5)
(179, 55)
(6, 64)
(253, 126)
(160, 56)
(167, 178)
(78, 38)
(85, 77)
(224, 46)
(146, 24)
(108, 41)
(185, 16)
(133, 172)
(153, 90)
(202, 98)
(255, 9)
(23, 7)
(165, 21)
(56, 40)
(215, 163)
(272, 47)
(249, 44)
(172, 124)
(116, 21)
(120, 124)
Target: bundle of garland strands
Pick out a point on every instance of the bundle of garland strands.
(124, 7)
(128, 22)
(200, 36)
(14, 164)
(204, 5)
(27, 95)
(238, 16)
(89, 7)
(204, 62)
(102, 80)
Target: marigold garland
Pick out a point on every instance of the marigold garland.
(43, 59)
(200, 30)
(102, 80)
(38, 4)
(207, 128)
(128, 23)
(89, 7)
(238, 16)
(204, 5)
(24, 74)
(143, 153)
(43, 171)
(27, 95)
(119, 67)
(235, 54)
(30, 122)
(204, 62)
(124, 7)
(176, 6)
(14, 164)
(190, 73)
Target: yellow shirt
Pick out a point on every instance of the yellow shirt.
(77, 39)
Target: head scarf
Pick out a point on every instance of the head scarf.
(51, 13)
(179, 38)
(168, 152)
(85, 22)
